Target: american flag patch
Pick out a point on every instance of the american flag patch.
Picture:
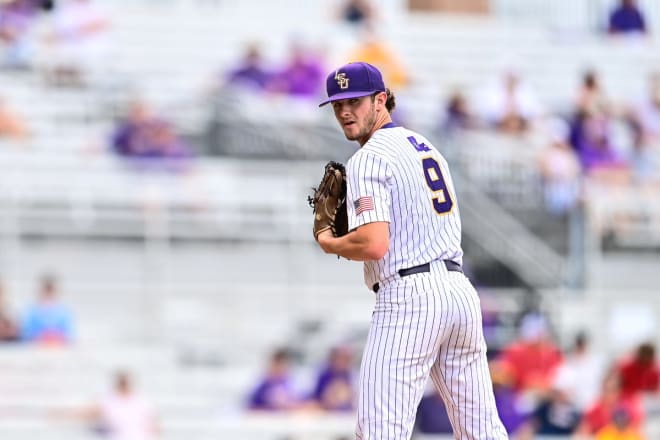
(363, 204)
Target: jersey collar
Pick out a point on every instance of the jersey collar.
(389, 125)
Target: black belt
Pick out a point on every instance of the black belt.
(451, 266)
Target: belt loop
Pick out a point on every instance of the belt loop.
(445, 267)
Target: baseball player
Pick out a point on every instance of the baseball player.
(405, 225)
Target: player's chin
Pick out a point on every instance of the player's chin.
(351, 135)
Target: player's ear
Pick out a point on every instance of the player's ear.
(381, 98)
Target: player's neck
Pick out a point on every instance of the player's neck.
(383, 119)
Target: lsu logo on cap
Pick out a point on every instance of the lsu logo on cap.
(341, 79)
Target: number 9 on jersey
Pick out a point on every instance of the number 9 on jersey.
(442, 202)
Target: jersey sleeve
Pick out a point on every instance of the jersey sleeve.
(368, 189)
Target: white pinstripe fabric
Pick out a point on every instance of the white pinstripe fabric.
(389, 169)
(426, 324)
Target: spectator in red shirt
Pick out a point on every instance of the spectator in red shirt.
(611, 401)
(641, 372)
(529, 363)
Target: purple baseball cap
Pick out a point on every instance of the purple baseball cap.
(353, 80)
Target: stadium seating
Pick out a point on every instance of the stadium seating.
(153, 262)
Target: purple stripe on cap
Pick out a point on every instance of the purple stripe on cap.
(353, 80)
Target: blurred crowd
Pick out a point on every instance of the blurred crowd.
(539, 388)
(333, 388)
(75, 42)
(48, 322)
(597, 135)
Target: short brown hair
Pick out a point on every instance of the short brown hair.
(390, 103)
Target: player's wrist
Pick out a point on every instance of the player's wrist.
(324, 237)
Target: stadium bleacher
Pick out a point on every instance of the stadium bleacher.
(155, 264)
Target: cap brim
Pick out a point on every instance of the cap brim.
(348, 95)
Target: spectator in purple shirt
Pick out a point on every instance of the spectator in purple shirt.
(302, 75)
(250, 73)
(457, 115)
(432, 417)
(511, 413)
(130, 128)
(591, 132)
(143, 137)
(593, 142)
(627, 18)
(275, 391)
(334, 385)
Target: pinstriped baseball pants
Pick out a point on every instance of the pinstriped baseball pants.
(423, 325)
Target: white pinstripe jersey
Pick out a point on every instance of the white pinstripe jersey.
(400, 178)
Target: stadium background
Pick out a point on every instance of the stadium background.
(189, 276)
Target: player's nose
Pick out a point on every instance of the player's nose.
(341, 108)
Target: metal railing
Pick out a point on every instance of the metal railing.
(506, 239)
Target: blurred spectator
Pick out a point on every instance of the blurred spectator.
(48, 321)
(125, 415)
(302, 75)
(560, 412)
(645, 120)
(510, 105)
(529, 363)
(357, 12)
(8, 328)
(611, 400)
(432, 417)
(122, 414)
(80, 39)
(592, 130)
(16, 20)
(491, 320)
(556, 415)
(250, 73)
(130, 132)
(641, 372)
(513, 414)
(12, 126)
(646, 114)
(620, 428)
(457, 115)
(275, 391)
(591, 99)
(560, 170)
(581, 374)
(373, 50)
(334, 390)
(627, 18)
(149, 140)
(592, 139)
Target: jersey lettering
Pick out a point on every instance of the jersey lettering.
(419, 147)
(442, 202)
